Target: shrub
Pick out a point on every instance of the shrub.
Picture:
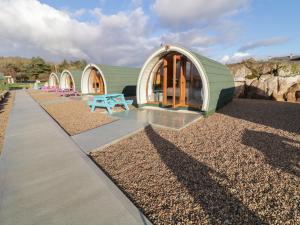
(251, 76)
(16, 86)
(295, 68)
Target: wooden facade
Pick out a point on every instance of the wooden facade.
(172, 73)
(96, 82)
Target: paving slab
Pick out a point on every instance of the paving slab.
(107, 134)
(129, 123)
(46, 179)
(161, 117)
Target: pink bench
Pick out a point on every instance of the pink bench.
(49, 89)
(67, 92)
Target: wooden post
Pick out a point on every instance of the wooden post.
(94, 80)
(165, 81)
(182, 81)
(101, 86)
(98, 83)
(174, 80)
(191, 79)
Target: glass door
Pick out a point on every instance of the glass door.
(174, 81)
(179, 81)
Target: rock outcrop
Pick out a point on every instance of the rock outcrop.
(293, 93)
(268, 87)
(267, 81)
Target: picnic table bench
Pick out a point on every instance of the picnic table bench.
(67, 92)
(49, 89)
(109, 101)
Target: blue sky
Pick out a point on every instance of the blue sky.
(126, 32)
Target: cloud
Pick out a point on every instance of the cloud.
(38, 29)
(236, 57)
(178, 13)
(136, 3)
(193, 38)
(264, 43)
(77, 13)
(123, 38)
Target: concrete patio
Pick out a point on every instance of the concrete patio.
(131, 122)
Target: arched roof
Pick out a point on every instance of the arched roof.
(218, 84)
(116, 78)
(56, 75)
(75, 76)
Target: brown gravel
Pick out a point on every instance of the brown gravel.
(72, 114)
(75, 116)
(5, 108)
(239, 166)
(41, 96)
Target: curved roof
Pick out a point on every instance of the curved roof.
(56, 74)
(118, 79)
(76, 77)
(218, 83)
(221, 82)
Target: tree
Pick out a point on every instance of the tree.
(255, 67)
(259, 68)
(276, 67)
(37, 67)
(11, 70)
(64, 65)
(79, 64)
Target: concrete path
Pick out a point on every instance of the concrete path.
(107, 134)
(131, 122)
(46, 179)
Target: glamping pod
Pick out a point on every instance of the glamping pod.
(71, 79)
(53, 80)
(103, 79)
(178, 78)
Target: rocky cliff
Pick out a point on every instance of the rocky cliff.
(275, 80)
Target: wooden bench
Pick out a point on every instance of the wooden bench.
(109, 101)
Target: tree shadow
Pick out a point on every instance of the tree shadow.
(278, 115)
(279, 151)
(4, 102)
(220, 205)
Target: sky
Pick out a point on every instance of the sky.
(126, 32)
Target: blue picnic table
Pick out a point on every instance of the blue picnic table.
(109, 101)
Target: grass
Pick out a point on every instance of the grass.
(17, 86)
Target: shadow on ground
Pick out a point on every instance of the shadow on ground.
(279, 115)
(286, 156)
(219, 204)
(3, 102)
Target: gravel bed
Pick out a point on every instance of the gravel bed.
(71, 113)
(238, 166)
(75, 116)
(5, 108)
(41, 96)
